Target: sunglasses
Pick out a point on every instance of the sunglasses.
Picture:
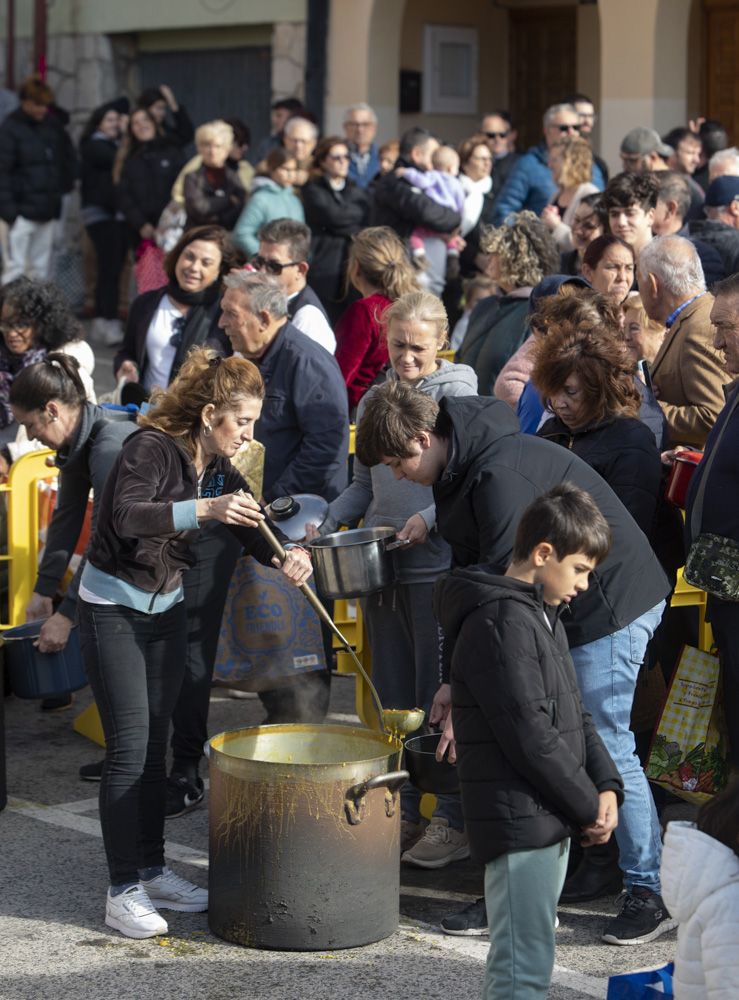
(568, 128)
(338, 157)
(498, 135)
(272, 266)
(588, 225)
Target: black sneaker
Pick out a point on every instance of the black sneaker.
(643, 918)
(472, 921)
(57, 704)
(183, 795)
(92, 772)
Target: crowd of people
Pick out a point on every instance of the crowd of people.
(285, 292)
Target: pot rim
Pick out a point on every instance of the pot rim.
(346, 539)
(394, 745)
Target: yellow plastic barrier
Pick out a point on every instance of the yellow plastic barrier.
(22, 495)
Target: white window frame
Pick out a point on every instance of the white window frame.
(432, 101)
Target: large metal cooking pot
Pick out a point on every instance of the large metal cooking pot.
(354, 563)
(304, 836)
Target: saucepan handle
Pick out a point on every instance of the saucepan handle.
(397, 544)
(354, 797)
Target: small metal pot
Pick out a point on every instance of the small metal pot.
(685, 464)
(354, 563)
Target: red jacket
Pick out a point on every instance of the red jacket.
(361, 349)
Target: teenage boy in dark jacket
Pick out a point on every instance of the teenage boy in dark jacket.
(485, 473)
(533, 771)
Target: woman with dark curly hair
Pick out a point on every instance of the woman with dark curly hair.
(521, 252)
(35, 319)
(586, 376)
(166, 323)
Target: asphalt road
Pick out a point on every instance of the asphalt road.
(53, 882)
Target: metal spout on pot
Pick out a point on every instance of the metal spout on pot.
(323, 614)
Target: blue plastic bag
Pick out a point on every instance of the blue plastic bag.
(656, 983)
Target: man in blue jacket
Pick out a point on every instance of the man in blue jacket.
(530, 184)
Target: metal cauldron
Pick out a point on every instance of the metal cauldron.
(354, 563)
(304, 836)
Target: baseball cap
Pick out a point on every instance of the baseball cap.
(642, 141)
(722, 191)
(551, 284)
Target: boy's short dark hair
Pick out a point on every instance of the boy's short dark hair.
(295, 235)
(393, 416)
(569, 519)
(627, 189)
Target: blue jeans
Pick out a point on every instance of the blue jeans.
(135, 663)
(521, 893)
(607, 670)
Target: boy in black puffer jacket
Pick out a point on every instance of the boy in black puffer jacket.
(533, 770)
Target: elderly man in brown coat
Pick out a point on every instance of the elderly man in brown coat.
(688, 373)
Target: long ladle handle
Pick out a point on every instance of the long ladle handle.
(323, 614)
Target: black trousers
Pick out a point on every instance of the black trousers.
(111, 245)
(134, 663)
(724, 619)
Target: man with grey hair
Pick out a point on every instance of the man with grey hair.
(726, 161)
(304, 425)
(687, 373)
(530, 184)
(299, 137)
(360, 129)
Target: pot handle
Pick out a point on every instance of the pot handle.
(397, 544)
(355, 797)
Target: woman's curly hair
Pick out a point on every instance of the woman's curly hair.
(596, 353)
(41, 306)
(525, 249)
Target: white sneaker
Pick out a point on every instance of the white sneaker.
(132, 913)
(172, 892)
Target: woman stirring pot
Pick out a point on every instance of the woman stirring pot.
(171, 476)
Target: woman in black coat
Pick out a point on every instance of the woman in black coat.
(99, 212)
(335, 209)
(587, 378)
(164, 324)
(145, 170)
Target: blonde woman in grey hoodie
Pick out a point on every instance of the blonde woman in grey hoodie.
(402, 630)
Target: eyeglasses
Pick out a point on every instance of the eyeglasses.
(338, 157)
(358, 124)
(13, 325)
(272, 266)
(498, 135)
(567, 128)
(178, 325)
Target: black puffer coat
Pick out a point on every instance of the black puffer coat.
(98, 154)
(145, 187)
(530, 762)
(623, 451)
(495, 472)
(333, 217)
(404, 208)
(37, 166)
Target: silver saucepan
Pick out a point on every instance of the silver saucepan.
(354, 563)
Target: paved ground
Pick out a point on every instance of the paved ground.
(53, 880)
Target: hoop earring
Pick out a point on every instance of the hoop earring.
(207, 430)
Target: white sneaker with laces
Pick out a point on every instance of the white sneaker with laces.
(172, 892)
(132, 913)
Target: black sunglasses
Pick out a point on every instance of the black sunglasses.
(568, 128)
(272, 266)
(498, 135)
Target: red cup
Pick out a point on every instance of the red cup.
(686, 462)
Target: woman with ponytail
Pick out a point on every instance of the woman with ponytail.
(378, 267)
(49, 400)
(172, 476)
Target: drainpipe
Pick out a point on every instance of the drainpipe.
(39, 37)
(10, 46)
(315, 57)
